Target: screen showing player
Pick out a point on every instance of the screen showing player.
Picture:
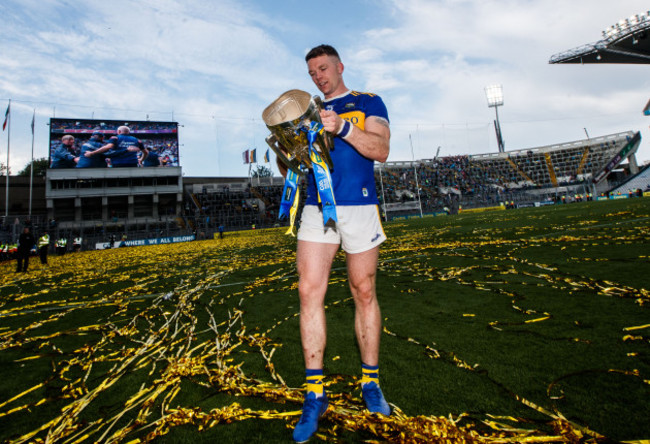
(79, 143)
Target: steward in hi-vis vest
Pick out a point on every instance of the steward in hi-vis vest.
(43, 247)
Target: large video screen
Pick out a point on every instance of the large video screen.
(77, 143)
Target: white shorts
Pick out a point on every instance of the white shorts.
(358, 228)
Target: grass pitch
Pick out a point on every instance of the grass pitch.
(506, 326)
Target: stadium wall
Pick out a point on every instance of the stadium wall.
(84, 197)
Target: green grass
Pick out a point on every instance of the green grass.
(505, 317)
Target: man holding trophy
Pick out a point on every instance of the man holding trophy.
(359, 124)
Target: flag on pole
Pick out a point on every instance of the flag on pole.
(245, 156)
(4, 125)
(253, 158)
(266, 156)
(33, 119)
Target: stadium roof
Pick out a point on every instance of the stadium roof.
(628, 41)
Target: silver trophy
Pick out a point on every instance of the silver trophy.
(289, 119)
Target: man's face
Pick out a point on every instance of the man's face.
(326, 73)
(69, 142)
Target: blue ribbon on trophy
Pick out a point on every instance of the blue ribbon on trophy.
(322, 178)
(290, 200)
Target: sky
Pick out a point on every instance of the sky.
(213, 66)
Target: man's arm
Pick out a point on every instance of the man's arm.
(62, 154)
(372, 142)
(101, 150)
(281, 166)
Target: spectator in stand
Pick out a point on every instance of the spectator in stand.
(64, 156)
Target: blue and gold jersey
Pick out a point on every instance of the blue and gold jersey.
(353, 176)
(120, 154)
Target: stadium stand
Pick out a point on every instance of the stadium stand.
(520, 176)
(641, 182)
(624, 42)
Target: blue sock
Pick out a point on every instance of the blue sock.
(369, 373)
(315, 381)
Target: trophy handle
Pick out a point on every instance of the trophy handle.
(327, 136)
(292, 164)
(318, 101)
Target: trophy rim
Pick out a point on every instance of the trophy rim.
(301, 99)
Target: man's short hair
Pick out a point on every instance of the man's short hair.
(322, 50)
(123, 130)
(67, 137)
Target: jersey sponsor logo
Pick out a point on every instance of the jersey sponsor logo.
(357, 118)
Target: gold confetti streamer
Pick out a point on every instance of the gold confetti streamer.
(162, 331)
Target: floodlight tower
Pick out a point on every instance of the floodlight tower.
(494, 94)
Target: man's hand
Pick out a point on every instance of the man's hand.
(331, 121)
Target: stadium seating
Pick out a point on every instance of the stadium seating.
(640, 181)
(490, 179)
